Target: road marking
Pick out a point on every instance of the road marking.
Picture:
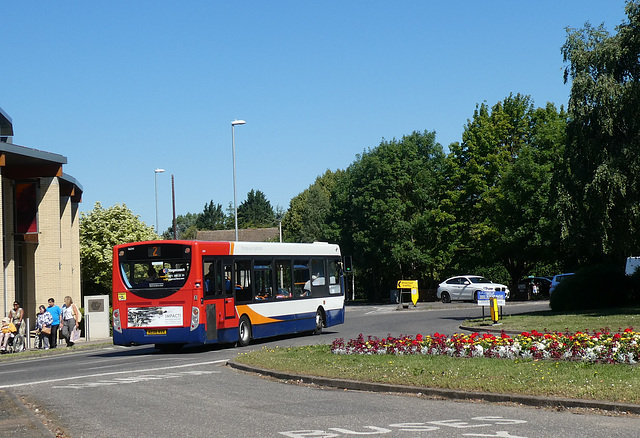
(114, 373)
(135, 379)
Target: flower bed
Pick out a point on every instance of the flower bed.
(603, 347)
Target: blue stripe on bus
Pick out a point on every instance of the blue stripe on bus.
(289, 324)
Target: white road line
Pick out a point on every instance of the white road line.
(113, 374)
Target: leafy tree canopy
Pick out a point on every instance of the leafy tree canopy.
(387, 210)
(256, 211)
(599, 191)
(211, 218)
(100, 230)
(501, 176)
(307, 219)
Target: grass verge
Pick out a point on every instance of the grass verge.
(614, 383)
(592, 321)
(604, 382)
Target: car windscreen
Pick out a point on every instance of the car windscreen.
(154, 271)
(479, 280)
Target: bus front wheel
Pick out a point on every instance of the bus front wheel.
(244, 331)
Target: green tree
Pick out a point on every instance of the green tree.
(599, 190)
(307, 219)
(100, 230)
(388, 211)
(256, 211)
(186, 227)
(211, 218)
(502, 176)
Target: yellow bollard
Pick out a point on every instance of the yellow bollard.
(493, 304)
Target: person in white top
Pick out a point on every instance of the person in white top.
(70, 320)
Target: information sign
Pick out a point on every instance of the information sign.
(485, 295)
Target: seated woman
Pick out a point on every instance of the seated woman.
(8, 329)
(16, 315)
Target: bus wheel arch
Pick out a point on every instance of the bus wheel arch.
(321, 321)
(244, 331)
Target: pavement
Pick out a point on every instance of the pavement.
(17, 419)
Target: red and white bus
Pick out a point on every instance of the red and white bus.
(174, 292)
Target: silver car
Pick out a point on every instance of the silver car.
(467, 287)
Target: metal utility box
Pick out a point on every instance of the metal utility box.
(96, 314)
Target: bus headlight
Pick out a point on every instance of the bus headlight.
(195, 318)
(117, 326)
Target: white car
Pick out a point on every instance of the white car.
(467, 287)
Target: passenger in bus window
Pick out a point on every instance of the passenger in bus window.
(152, 275)
(306, 290)
(210, 278)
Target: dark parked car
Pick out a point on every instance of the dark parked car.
(527, 291)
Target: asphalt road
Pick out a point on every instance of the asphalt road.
(121, 392)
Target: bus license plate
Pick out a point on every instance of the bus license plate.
(157, 332)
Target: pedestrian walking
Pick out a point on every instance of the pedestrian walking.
(56, 314)
(70, 320)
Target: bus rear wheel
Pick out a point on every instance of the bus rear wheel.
(244, 331)
(319, 322)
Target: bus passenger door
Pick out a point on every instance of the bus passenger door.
(229, 301)
(213, 293)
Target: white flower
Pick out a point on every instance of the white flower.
(477, 351)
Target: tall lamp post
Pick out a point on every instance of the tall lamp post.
(235, 193)
(157, 171)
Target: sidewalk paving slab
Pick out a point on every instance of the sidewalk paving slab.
(17, 421)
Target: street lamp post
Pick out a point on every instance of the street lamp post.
(235, 193)
(157, 171)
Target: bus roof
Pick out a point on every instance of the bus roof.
(252, 248)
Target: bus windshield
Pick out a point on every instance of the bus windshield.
(154, 271)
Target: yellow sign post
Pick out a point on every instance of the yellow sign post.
(409, 284)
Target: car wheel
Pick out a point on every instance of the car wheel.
(475, 296)
(445, 297)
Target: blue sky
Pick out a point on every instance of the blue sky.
(124, 87)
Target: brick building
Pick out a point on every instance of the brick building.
(39, 220)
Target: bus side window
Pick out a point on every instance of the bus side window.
(209, 278)
(301, 278)
(263, 280)
(243, 280)
(283, 279)
(213, 279)
(318, 283)
(228, 278)
(334, 277)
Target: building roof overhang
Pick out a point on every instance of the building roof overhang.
(20, 162)
(6, 125)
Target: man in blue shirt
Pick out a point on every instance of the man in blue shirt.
(56, 314)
